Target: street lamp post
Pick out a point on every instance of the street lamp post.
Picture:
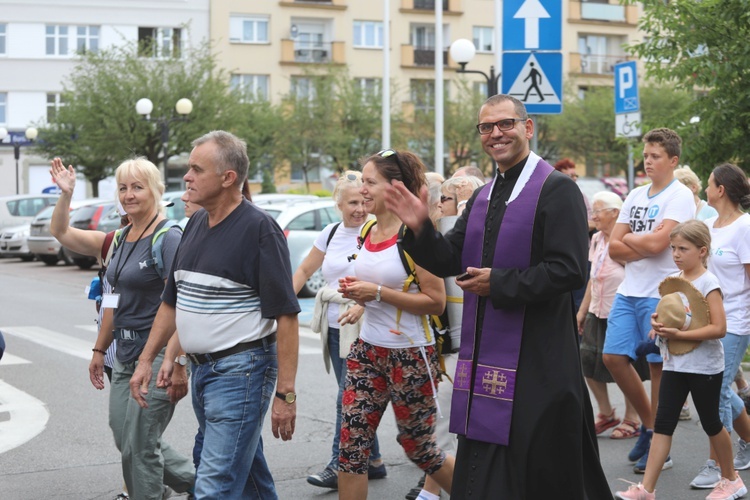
(183, 108)
(462, 51)
(31, 134)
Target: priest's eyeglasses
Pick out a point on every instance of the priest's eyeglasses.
(502, 125)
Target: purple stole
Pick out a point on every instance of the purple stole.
(482, 407)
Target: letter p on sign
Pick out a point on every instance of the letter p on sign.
(626, 88)
(625, 77)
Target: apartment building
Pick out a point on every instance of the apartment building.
(39, 43)
(267, 44)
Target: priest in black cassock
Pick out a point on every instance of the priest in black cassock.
(520, 405)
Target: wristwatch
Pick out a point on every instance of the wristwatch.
(289, 397)
(377, 294)
(181, 360)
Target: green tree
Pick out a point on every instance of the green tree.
(461, 137)
(586, 127)
(703, 45)
(98, 126)
(260, 125)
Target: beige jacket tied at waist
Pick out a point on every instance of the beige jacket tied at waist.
(319, 324)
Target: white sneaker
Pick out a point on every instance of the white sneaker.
(708, 477)
(742, 458)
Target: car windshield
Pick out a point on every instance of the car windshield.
(45, 214)
(272, 213)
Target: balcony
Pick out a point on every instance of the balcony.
(312, 53)
(595, 64)
(420, 57)
(596, 12)
(315, 4)
(450, 7)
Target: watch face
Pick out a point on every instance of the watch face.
(290, 397)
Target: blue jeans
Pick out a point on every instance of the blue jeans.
(339, 369)
(230, 398)
(730, 404)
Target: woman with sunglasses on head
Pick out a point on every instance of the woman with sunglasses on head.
(455, 193)
(336, 318)
(137, 285)
(394, 359)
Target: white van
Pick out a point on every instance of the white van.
(21, 208)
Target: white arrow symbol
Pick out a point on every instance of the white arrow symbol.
(531, 11)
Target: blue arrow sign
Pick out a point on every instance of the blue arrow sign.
(626, 88)
(532, 25)
(535, 78)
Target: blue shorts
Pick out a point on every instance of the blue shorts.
(628, 325)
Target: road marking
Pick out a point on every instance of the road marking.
(9, 359)
(52, 339)
(82, 348)
(28, 417)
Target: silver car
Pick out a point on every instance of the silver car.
(14, 242)
(302, 220)
(41, 242)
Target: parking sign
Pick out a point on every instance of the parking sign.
(626, 88)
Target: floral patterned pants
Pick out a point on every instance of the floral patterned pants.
(375, 376)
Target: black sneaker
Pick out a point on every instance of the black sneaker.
(376, 472)
(327, 478)
(414, 492)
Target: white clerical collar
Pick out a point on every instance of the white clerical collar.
(528, 169)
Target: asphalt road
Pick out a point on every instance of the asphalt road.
(55, 442)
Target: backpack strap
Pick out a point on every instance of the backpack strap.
(330, 235)
(409, 267)
(107, 249)
(157, 244)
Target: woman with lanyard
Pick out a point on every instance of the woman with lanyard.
(336, 318)
(147, 461)
(728, 191)
(394, 359)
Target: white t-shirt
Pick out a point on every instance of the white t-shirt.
(337, 262)
(644, 213)
(708, 357)
(730, 251)
(380, 263)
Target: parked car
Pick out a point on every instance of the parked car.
(280, 198)
(41, 242)
(87, 217)
(302, 220)
(14, 242)
(20, 209)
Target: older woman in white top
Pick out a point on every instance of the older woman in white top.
(606, 275)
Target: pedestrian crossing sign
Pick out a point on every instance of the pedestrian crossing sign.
(534, 78)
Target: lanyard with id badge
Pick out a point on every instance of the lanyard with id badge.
(112, 300)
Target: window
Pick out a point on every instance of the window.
(160, 42)
(54, 102)
(251, 85)
(303, 87)
(370, 86)
(483, 39)
(313, 171)
(87, 39)
(56, 40)
(368, 34)
(248, 29)
(3, 105)
(423, 95)
(480, 88)
(3, 27)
